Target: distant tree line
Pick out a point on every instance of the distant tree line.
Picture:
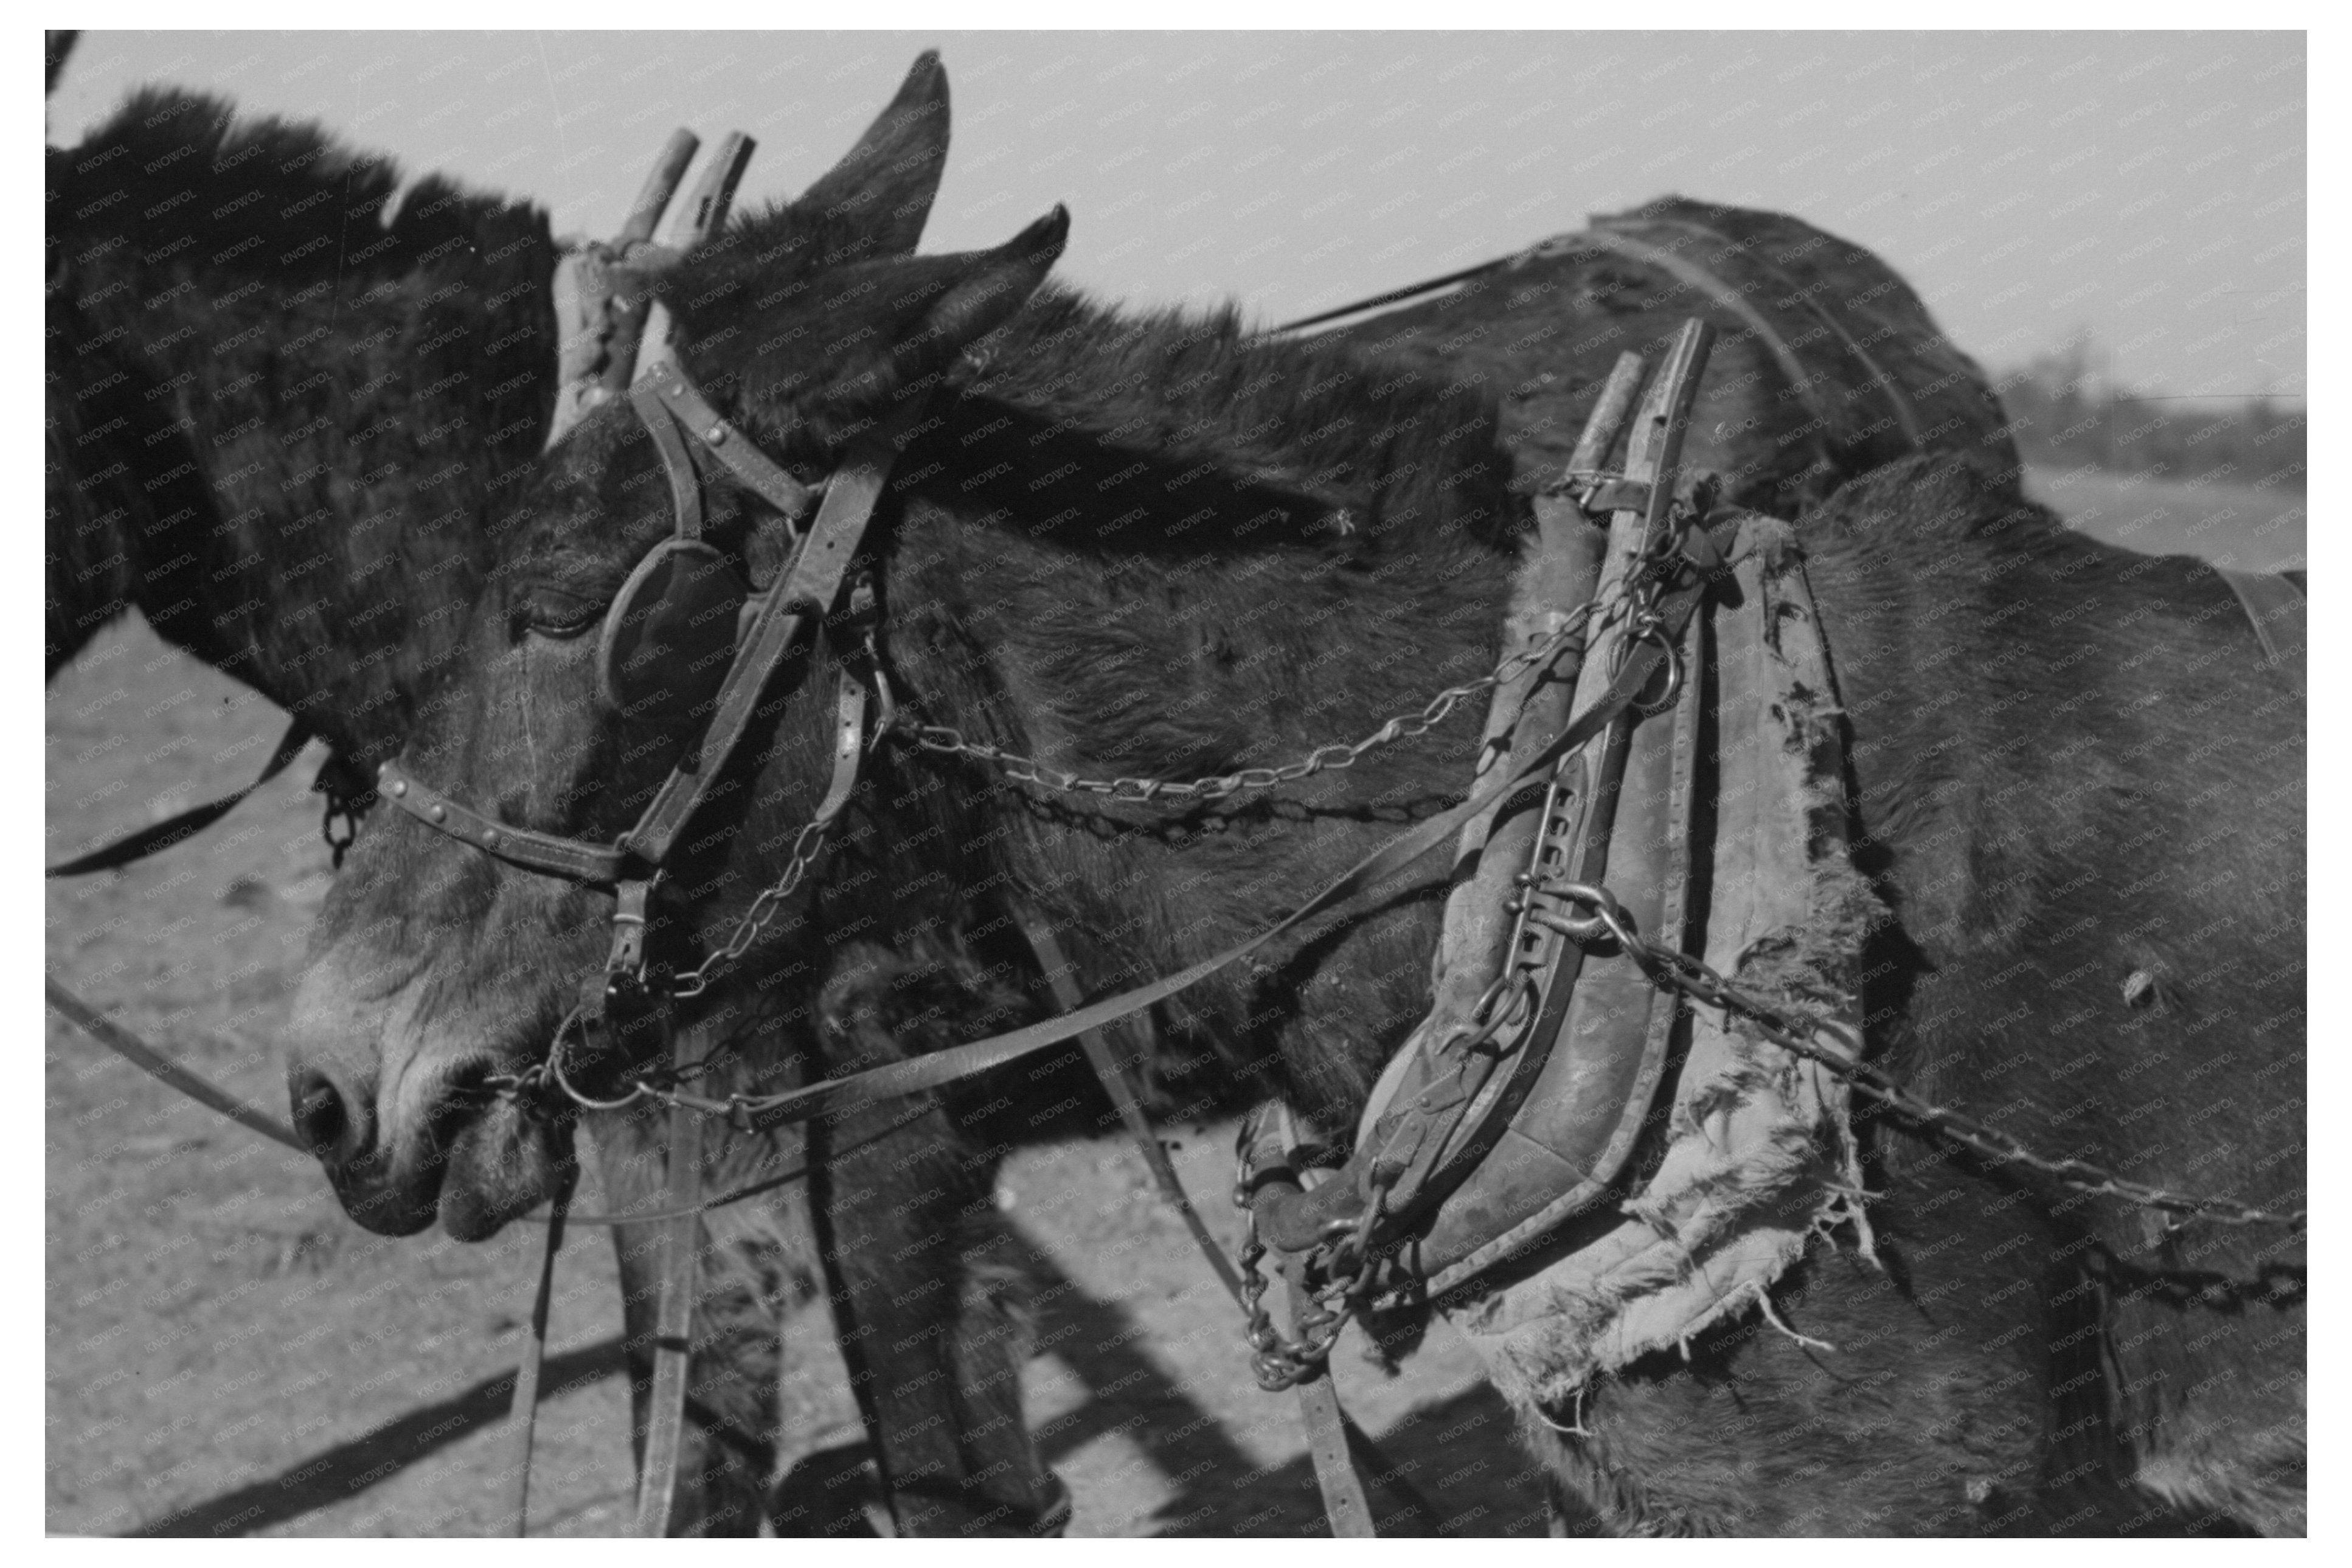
(2063, 419)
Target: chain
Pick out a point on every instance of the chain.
(1793, 1027)
(806, 848)
(338, 844)
(1281, 1362)
(347, 798)
(948, 740)
(1786, 1025)
(1278, 1362)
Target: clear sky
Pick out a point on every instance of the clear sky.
(2147, 188)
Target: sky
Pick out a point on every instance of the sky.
(2147, 189)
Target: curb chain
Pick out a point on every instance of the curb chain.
(755, 919)
(948, 740)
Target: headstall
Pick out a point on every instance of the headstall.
(683, 610)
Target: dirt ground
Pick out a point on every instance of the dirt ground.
(226, 1354)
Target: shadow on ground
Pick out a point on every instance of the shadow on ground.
(1207, 1484)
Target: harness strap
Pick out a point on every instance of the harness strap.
(1905, 419)
(1398, 296)
(1319, 1401)
(678, 464)
(524, 1423)
(1119, 1082)
(574, 860)
(2272, 602)
(673, 1345)
(1609, 235)
(1344, 1503)
(150, 1061)
(806, 591)
(768, 1184)
(722, 441)
(195, 819)
(894, 1079)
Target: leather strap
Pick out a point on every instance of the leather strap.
(673, 1346)
(2272, 602)
(767, 1183)
(154, 1063)
(523, 1425)
(195, 819)
(1118, 1083)
(894, 1079)
(1344, 1504)
(677, 463)
(806, 591)
(1612, 233)
(741, 455)
(598, 865)
(1320, 1401)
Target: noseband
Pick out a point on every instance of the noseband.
(668, 622)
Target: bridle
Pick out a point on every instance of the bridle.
(657, 630)
(665, 629)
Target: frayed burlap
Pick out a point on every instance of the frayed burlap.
(1760, 1155)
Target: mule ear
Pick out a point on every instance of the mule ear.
(56, 47)
(874, 202)
(985, 299)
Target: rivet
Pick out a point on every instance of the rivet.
(491, 838)
(400, 787)
(715, 435)
(439, 813)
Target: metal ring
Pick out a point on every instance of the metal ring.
(1656, 633)
(1520, 983)
(638, 1090)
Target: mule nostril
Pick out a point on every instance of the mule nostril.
(323, 1119)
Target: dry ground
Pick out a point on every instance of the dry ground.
(228, 1354)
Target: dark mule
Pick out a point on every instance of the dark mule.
(281, 409)
(284, 417)
(1158, 547)
(945, 1355)
(1825, 363)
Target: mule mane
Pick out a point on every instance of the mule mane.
(177, 176)
(282, 402)
(1187, 519)
(1363, 446)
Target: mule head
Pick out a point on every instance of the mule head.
(437, 971)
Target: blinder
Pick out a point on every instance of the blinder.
(670, 635)
(687, 649)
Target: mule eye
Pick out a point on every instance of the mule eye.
(552, 611)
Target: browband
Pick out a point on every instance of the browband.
(667, 402)
(667, 387)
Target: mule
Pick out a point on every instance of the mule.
(1158, 546)
(281, 408)
(290, 451)
(1825, 364)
